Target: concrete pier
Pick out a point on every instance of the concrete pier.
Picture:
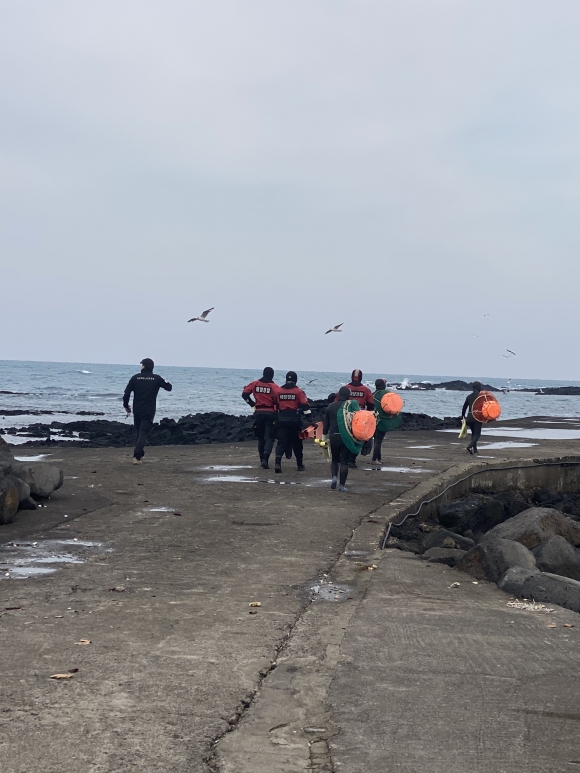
(389, 669)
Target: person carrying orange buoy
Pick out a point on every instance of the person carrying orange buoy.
(364, 397)
(467, 414)
(388, 406)
(346, 428)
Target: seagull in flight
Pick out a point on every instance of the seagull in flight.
(507, 356)
(335, 329)
(203, 316)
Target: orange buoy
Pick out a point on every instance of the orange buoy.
(363, 426)
(392, 403)
(486, 407)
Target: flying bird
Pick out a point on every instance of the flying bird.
(203, 316)
(507, 356)
(335, 329)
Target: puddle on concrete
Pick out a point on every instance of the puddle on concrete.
(532, 434)
(398, 469)
(230, 479)
(160, 509)
(37, 458)
(421, 446)
(413, 458)
(227, 467)
(506, 444)
(330, 592)
(19, 560)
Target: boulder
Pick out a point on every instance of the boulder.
(22, 488)
(27, 504)
(442, 538)
(490, 559)
(513, 502)
(8, 500)
(536, 525)
(42, 478)
(459, 514)
(553, 589)
(4, 447)
(558, 556)
(447, 556)
(514, 579)
(476, 512)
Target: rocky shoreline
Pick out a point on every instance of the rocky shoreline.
(194, 429)
(527, 542)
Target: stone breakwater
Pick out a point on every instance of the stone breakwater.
(527, 542)
(195, 429)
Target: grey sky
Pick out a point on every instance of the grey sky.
(404, 168)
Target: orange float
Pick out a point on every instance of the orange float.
(486, 407)
(363, 425)
(392, 403)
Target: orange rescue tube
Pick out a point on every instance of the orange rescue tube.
(392, 403)
(363, 426)
(314, 432)
(486, 407)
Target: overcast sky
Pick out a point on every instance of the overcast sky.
(405, 168)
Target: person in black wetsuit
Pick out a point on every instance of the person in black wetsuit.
(145, 386)
(474, 425)
(339, 453)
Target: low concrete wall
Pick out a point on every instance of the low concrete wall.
(560, 474)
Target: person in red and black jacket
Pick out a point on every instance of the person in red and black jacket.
(261, 395)
(360, 392)
(292, 405)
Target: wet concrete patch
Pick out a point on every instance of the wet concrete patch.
(399, 469)
(227, 467)
(505, 444)
(330, 592)
(541, 433)
(37, 458)
(229, 479)
(20, 560)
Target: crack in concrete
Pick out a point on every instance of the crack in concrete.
(319, 748)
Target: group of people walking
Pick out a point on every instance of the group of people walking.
(282, 412)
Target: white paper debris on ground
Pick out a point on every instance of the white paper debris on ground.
(530, 606)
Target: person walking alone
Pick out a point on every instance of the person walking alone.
(145, 387)
(292, 404)
(261, 396)
(474, 425)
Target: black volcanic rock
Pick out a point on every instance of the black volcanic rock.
(194, 429)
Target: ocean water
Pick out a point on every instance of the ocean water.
(74, 387)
